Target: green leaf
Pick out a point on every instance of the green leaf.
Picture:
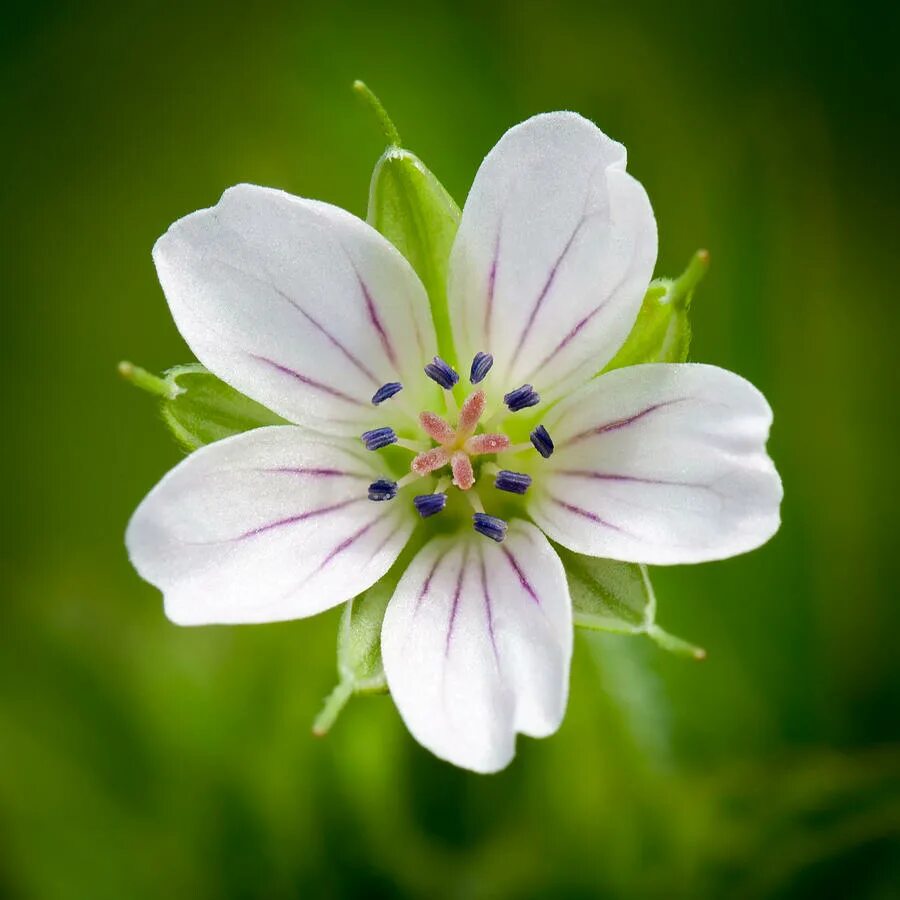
(360, 670)
(662, 331)
(608, 595)
(413, 210)
(198, 407)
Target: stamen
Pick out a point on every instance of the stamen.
(414, 446)
(436, 428)
(463, 474)
(489, 526)
(486, 443)
(513, 482)
(430, 504)
(378, 438)
(471, 412)
(442, 373)
(475, 501)
(521, 398)
(519, 448)
(386, 391)
(382, 489)
(542, 442)
(427, 462)
(481, 365)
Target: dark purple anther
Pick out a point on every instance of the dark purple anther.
(378, 438)
(382, 489)
(386, 391)
(430, 504)
(481, 365)
(521, 398)
(514, 482)
(490, 526)
(440, 372)
(542, 443)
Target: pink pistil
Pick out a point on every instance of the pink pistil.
(486, 443)
(430, 460)
(436, 428)
(463, 475)
(471, 412)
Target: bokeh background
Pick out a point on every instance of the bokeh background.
(140, 760)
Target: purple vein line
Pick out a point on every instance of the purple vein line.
(340, 548)
(426, 587)
(309, 382)
(587, 514)
(489, 610)
(539, 302)
(585, 321)
(355, 360)
(314, 322)
(491, 284)
(624, 422)
(420, 342)
(522, 579)
(291, 520)
(375, 319)
(455, 607)
(372, 309)
(566, 340)
(632, 479)
(390, 536)
(315, 473)
(345, 544)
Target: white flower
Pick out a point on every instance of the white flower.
(308, 310)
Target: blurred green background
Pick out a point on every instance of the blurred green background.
(140, 760)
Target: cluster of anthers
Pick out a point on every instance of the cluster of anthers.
(457, 445)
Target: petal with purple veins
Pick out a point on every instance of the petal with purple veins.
(265, 526)
(299, 305)
(555, 249)
(477, 642)
(659, 464)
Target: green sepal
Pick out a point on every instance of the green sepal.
(662, 330)
(359, 665)
(414, 211)
(608, 595)
(360, 670)
(198, 407)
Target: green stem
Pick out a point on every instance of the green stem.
(334, 703)
(146, 381)
(387, 126)
(683, 286)
(674, 644)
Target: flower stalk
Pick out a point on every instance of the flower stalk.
(365, 93)
(682, 289)
(147, 381)
(332, 707)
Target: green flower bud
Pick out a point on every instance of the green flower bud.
(608, 595)
(412, 209)
(360, 670)
(198, 407)
(662, 331)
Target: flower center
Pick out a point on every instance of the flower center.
(455, 445)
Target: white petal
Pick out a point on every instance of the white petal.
(477, 642)
(554, 253)
(298, 304)
(660, 464)
(265, 526)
